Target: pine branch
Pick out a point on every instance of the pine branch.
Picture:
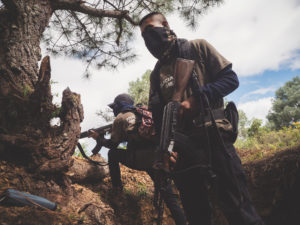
(84, 28)
(79, 6)
(119, 33)
(112, 5)
(63, 28)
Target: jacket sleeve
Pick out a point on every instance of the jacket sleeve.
(225, 83)
(218, 77)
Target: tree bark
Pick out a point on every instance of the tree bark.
(26, 136)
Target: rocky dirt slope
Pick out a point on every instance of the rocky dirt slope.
(87, 198)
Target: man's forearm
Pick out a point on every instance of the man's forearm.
(226, 83)
(108, 143)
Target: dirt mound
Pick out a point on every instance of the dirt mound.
(90, 202)
(274, 183)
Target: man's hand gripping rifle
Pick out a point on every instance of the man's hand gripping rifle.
(98, 135)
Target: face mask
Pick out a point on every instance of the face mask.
(121, 107)
(158, 40)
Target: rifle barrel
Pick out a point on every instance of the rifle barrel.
(100, 130)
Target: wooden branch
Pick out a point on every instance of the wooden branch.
(79, 6)
(119, 33)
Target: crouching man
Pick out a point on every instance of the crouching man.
(140, 149)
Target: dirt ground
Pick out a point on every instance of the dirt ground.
(274, 184)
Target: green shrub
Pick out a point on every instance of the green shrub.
(271, 139)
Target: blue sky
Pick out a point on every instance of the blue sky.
(260, 88)
(260, 38)
(261, 85)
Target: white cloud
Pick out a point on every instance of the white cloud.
(256, 109)
(255, 35)
(260, 91)
(101, 88)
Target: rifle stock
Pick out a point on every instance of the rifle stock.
(182, 76)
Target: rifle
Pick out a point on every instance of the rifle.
(182, 75)
(183, 71)
(101, 131)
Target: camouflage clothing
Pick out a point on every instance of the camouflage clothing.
(141, 150)
(123, 127)
(138, 155)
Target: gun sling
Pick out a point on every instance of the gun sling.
(88, 158)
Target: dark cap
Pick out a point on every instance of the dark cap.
(121, 98)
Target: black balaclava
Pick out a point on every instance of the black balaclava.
(122, 107)
(159, 41)
(122, 103)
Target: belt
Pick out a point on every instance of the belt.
(202, 119)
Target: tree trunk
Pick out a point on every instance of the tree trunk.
(26, 136)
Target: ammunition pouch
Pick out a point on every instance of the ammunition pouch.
(232, 115)
(200, 120)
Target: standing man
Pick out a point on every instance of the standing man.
(203, 144)
(139, 152)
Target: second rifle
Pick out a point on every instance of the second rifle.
(101, 131)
